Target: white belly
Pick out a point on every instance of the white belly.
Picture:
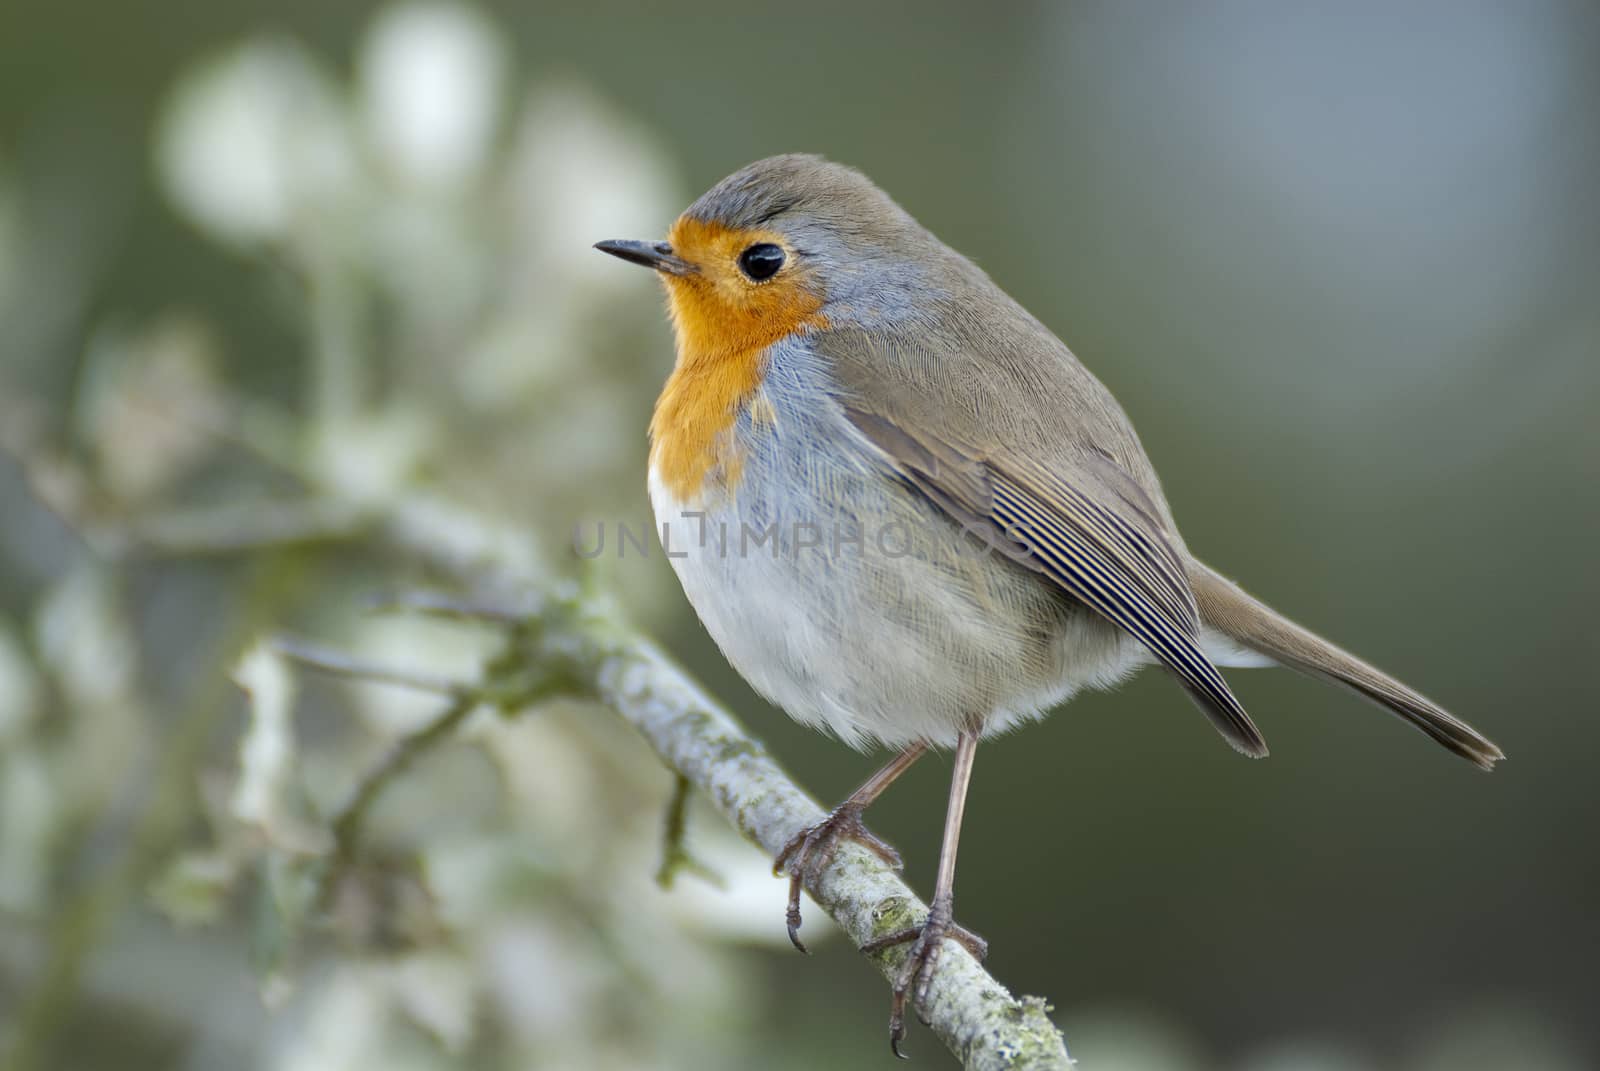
(867, 644)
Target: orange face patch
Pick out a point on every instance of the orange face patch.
(724, 323)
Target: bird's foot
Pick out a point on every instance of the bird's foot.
(916, 974)
(811, 849)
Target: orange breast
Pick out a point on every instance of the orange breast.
(724, 326)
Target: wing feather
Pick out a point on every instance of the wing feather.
(1112, 560)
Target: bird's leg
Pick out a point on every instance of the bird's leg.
(809, 850)
(917, 973)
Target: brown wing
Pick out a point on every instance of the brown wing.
(1084, 536)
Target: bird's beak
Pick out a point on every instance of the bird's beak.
(657, 255)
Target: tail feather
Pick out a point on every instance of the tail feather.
(1260, 628)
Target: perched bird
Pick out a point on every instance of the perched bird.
(909, 516)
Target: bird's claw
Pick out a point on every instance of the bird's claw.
(916, 974)
(811, 849)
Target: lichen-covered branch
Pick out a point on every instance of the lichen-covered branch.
(971, 1012)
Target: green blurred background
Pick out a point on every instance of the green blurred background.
(1339, 262)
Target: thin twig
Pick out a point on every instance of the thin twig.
(675, 857)
(340, 664)
(455, 608)
(348, 821)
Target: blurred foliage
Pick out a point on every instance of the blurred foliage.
(267, 273)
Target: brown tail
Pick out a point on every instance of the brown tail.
(1259, 627)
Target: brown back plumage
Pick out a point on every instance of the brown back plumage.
(979, 406)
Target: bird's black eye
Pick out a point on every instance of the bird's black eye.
(761, 261)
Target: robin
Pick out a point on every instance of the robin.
(909, 516)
